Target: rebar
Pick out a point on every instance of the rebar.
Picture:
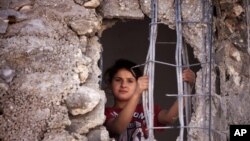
(170, 64)
(187, 87)
(178, 61)
(208, 41)
(247, 3)
(148, 96)
(181, 58)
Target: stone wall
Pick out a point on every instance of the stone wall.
(49, 75)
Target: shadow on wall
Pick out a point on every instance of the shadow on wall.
(130, 40)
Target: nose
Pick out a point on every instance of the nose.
(123, 84)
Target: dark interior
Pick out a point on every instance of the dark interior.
(130, 40)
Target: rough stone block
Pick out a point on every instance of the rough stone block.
(83, 101)
(84, 27)
(129, 9)
(98, 134)
(3, 26)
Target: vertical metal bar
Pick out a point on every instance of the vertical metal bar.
(153, 37)
(248, 24)
(145, 101)
(204, 70)
(178, 59)
(187, 87)
(208, 42)
(100, 64)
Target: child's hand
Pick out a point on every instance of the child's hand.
(142, 84)
(188, 75)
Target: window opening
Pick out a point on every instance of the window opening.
(133, 55)
(129, 39)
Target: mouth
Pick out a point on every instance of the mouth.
(123, 91)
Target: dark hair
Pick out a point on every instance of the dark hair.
(123, 64)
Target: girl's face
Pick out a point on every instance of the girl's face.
(123, 85)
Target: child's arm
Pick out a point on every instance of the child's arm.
(166, 117)
(120, 123)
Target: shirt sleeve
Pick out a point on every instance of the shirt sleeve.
(110, 113)
(107, 114)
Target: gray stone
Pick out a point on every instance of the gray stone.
(7, 74)
(18, 4)
(59, 136)
(82, 101)
(3, 26)
(100, 134)
(4, 4)
(80, 2)
(92, 4)
(128, 9)
(81, 124)
(85, 27)
(5, 14)
(166, 11)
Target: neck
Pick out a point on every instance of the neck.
(120, 104)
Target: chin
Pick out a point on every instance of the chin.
(123, 98)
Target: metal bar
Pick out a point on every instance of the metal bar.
(178, 60)
(195, 22)
(206, 83)
(170, 64)
(189, 22)
(209, 44)
(166, 42)
(189, 95)
(206, 71)
(100, 64)
(222, 133)
(149, 99)
(186, 87)
(247, 5)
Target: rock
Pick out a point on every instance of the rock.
(80, 2)
(19, 4)
(4, 4)
(92, 4)
(85, 27)
(82, 70)
(98, 134)
(7, 74)
(81, 124)
(26, 8)
(83, 76)
(3, 87)
(83, 43)
(10, 13)
(237, 9)
(61, 136)
(3, 26)
(83, 101)
(129, 9)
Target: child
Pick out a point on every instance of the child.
(125, 121)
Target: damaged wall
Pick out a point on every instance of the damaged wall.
(49, 75)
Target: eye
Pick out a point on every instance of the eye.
(117, 79)
(131, 80)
